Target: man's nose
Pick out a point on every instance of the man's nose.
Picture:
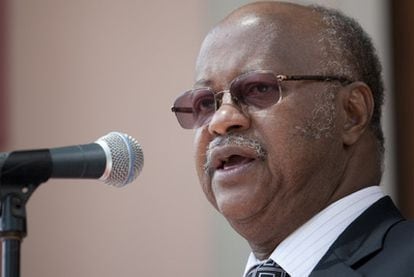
(229, 117)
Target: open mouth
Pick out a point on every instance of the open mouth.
(233, 161)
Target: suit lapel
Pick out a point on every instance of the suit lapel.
(362, 238)
(335, 268)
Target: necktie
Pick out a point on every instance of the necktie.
(267, 269)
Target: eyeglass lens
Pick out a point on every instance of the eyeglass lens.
(259, 90)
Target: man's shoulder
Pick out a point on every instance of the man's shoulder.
(396, 256)
(378, 243)
(401, 237)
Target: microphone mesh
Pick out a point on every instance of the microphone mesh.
(127, 158)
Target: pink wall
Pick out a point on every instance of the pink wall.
(80, 69)
(3, 74)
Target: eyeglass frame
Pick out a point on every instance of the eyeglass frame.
(344, 81)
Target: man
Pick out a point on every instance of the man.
(289, 147)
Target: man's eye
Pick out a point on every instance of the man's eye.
(259, 88)
(260, 94)
(204, 104)
(262, 88)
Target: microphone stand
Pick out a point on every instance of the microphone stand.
(13, 225)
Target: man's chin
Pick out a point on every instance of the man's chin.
(239, 211)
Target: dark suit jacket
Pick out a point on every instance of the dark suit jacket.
(380, 242)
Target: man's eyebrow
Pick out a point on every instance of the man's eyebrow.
(210, 83)
(203, 83)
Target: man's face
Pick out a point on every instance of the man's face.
(272, 167)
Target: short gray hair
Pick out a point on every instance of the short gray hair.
(350, 51)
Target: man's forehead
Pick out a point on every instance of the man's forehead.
(253, 41)
(271, 12)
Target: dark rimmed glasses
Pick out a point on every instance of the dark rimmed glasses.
(259, 89)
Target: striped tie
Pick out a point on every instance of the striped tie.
(267, 269)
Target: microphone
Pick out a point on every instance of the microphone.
(116, 159)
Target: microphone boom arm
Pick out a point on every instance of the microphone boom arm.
(13, 224)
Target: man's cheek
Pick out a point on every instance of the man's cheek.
(202, 139)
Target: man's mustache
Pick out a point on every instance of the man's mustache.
(233, 140)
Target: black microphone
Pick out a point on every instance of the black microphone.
(116, 159)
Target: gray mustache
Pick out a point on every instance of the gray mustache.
(233, 140)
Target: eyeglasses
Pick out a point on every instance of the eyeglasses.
(259, 89)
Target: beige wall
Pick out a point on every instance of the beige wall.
(80, 69)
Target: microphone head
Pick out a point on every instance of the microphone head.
(124, 158)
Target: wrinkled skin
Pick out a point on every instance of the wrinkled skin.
(266, 199)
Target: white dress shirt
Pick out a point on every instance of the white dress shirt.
(300, 252)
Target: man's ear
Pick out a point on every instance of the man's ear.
(358, 105)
